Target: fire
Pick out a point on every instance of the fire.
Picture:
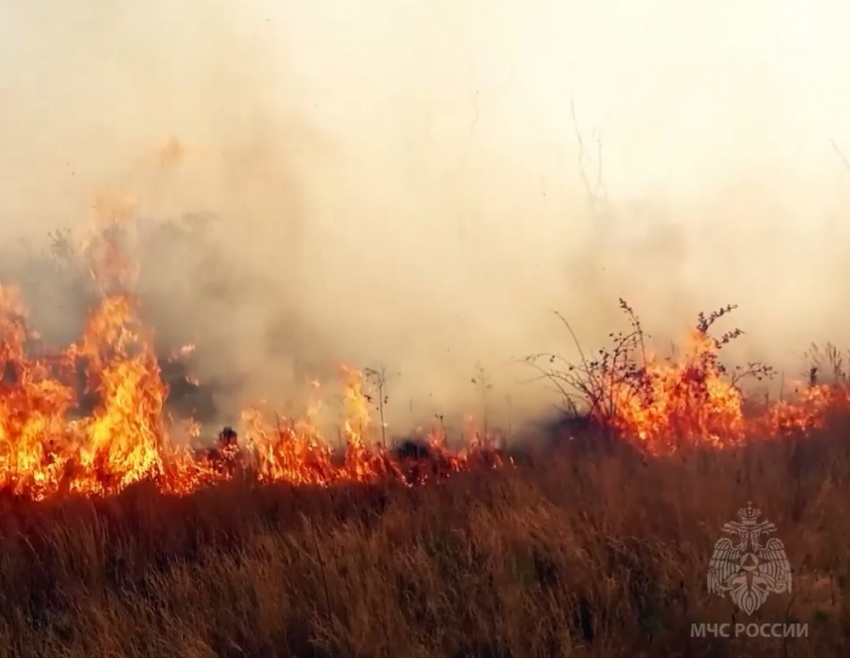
(127, 437)
(91, 418)
(692, 401)
(58, 436)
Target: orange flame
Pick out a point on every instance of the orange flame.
(49, 446)
(58, 435)
(693, 402)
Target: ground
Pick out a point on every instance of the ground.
(576, 550)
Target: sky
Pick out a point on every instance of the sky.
(407, 176)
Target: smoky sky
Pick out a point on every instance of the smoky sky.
(418, 185)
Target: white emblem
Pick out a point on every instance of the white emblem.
(745, 568)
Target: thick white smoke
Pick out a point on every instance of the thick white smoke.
(401, 183)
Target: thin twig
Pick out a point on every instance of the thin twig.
(840, 154)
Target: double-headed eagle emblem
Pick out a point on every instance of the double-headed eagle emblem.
(744, 567)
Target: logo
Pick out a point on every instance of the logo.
(745, 566)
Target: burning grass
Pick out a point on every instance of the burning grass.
(119, 539)
(50, 447)
(599, 552)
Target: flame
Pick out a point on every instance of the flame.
(693, 402)
(127, 438)
(51, 444)
(90, 419)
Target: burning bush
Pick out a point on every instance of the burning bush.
(92, 418)
(693, 399)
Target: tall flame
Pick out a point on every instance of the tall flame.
(692, 401)
(96, 435)
(126, 437)
(50, 444)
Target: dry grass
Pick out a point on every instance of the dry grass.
(585, 549)
(576, 551)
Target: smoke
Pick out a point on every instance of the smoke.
(418, 186)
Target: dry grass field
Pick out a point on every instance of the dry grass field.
(577, 550)
(593, 539)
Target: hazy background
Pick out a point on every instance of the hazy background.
(399, 183)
